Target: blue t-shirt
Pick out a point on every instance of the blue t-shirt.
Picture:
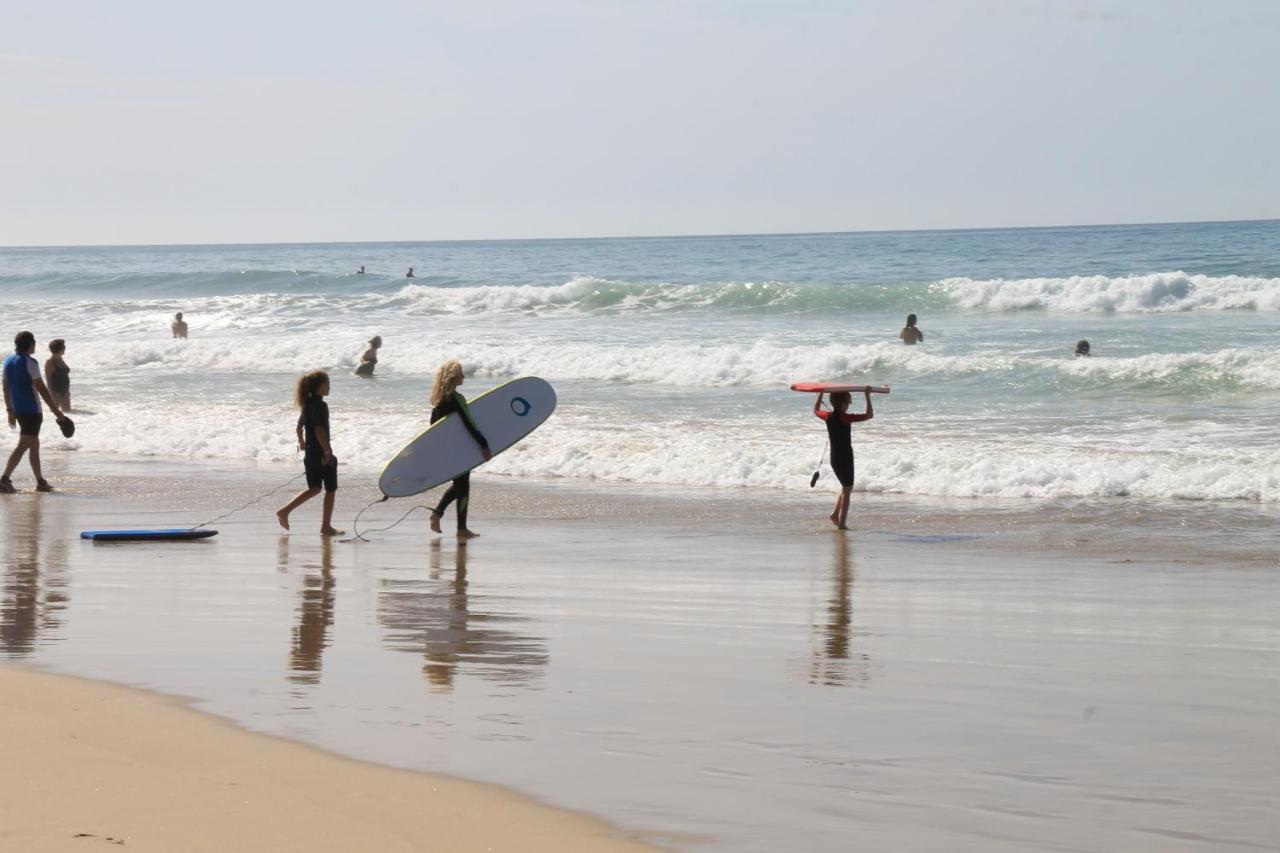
(20, 370)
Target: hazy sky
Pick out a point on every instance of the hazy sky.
(144, 122)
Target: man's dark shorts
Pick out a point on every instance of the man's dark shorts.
(30, 424)
(318, 474)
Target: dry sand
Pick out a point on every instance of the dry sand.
(93, 766)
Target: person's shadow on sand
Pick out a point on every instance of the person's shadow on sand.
(437, 620)
(315, 614)
(834, 662)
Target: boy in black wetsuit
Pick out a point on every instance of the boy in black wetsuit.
(445, 401)
(838, 421)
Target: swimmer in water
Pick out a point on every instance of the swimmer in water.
(179, 326)
(409, 274)
(838, 421)
(361, 270)
(1082, 349)
(445, 401)
(910, 334)
(369, 360)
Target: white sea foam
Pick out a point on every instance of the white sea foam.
(762, 363)
(1156, 292)
(893, 459)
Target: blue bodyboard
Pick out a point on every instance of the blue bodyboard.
(170, 534)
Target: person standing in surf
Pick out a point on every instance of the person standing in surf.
(447, 400)
(57, 375)
(369, 361)
(910, 334)
(178, 326)
(838, 421)
(313, 439)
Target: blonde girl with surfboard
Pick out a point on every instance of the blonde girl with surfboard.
(447, 400)
(838, 421)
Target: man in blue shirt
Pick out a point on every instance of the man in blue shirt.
(23, 389)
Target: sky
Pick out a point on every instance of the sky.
(277, 121)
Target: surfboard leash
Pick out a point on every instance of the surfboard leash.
(355, 525)
(256, 500)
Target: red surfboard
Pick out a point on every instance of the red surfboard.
(828, 387)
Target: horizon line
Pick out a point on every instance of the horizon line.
(691, 236)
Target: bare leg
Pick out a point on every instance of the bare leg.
(15, 457)
(283, 515)
(326, 526)
(844, 507)
(33, 456)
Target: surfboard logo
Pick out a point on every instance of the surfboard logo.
(520, 406)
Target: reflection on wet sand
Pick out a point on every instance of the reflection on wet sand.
(833, 663)
(315, 614)
(435, 619)
(35, 577)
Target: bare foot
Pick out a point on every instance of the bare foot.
(435, 522)
(283, 518)
(43, 486)
(842, 527)
(329, 531)
(835, 519)
(464, 535)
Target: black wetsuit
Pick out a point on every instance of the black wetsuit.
(315, 413)
(841, 445)
(60, 379)
(460, 489)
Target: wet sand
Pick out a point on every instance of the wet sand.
(717, 672)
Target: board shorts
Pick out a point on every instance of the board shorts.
(30, 424)
(843, 469)
(318, 475)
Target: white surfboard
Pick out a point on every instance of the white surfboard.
(446, 450)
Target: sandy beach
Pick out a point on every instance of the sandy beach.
(715, 674)
(90, 766)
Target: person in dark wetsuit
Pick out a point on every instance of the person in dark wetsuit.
(57, 375)
(838, 421)
(445, 401)
(313, 439)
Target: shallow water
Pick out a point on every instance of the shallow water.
(673, 356)
(700, 680)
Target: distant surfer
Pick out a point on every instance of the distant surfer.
(911, 334)
(361, 270)
(57, 375)
(369, 361)
(23, 390)
(409, 274)
(447, 400)
(179, 326)
(838, 421)
(313, 439)
(1082, 349)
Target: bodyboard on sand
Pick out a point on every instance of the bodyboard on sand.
(169, 534)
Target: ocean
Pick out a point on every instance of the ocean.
(672, 356)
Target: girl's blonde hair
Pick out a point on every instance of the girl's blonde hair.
(448, 377)
(308, 384)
